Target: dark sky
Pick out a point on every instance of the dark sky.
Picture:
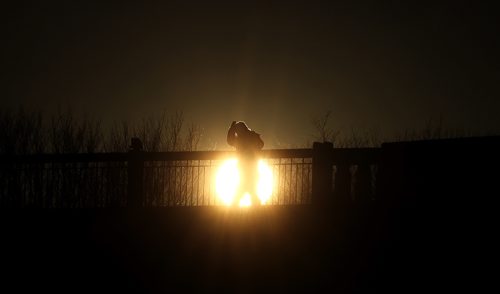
(391, 66)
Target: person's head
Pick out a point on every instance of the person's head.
(241, 127)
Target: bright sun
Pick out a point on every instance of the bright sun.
(228, 180)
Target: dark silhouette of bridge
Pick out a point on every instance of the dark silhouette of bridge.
(403, 217)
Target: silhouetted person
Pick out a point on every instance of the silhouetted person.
(247, 144)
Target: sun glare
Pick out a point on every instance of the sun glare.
(228, 180)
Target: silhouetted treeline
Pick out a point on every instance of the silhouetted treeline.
(324, 129)
(28, 131)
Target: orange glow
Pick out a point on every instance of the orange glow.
(228, 179)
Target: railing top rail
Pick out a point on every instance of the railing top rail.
(218, 155)
(56, 158)
(340, 155)
(150, 156)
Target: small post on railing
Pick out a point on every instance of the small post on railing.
(322, 173)
(135, 174)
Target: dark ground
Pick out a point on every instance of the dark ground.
(281, 249)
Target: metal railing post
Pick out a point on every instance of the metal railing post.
(135, 174)
(322, 173)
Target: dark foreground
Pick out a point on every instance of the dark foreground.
(279, 249)
(435, 232)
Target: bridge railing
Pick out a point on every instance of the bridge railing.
(189, 178)
(164, 179)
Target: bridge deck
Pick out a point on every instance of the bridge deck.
(278, 248)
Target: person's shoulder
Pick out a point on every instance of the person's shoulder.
(254, 134)
(257, 140)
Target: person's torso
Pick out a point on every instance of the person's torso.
(248, 142)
